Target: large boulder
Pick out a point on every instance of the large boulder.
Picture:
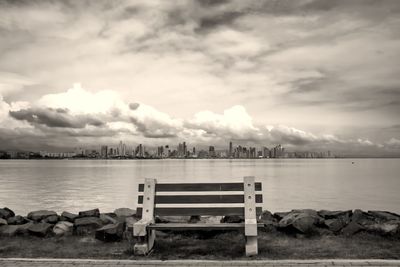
(125, 212)
(362, 218)
(53, 219)
(63, 228)
(384, 216)
(279, 215)
(352, 228)
(344, 215)
(40, 229)
(298, 221)
(267, 217)
(67, 216)
(389, 228)
(107, 219)
(110, 232)
(89, 213)
(3, 222)
(17, 220)
(269, 221)
(87, 225)
(39, 215)
(335, 225)
(6, 213)
(310, 212)
(23, 228)
(8, 230)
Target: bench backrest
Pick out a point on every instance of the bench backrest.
(186, 199)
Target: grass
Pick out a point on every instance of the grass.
(223, 246)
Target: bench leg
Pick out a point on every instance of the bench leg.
(251, 246)
(145, 243)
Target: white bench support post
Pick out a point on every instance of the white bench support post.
(146, 237)
(250, 216)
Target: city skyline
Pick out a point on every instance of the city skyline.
(180, 151)
(307, 74)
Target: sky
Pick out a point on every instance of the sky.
(307, 74)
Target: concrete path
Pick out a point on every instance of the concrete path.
(11, 262)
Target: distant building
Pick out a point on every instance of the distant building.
(104, 152)
(211, 152)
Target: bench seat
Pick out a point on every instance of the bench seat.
(199, 226)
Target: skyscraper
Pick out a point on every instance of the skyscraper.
(104, 152)
(230, 150)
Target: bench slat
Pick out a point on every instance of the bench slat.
(198, 226)
(193, 199)
(200, 187)
(198, 211)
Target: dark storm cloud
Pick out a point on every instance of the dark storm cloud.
(55, 118)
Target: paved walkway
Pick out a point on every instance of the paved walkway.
(10, 262)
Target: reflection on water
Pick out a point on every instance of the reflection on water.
(75, 185)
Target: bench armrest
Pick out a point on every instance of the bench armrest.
(140, 227)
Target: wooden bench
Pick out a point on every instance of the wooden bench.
(197, 199)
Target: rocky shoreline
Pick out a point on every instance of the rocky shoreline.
(117, 225)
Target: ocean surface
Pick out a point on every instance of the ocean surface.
(74, 185)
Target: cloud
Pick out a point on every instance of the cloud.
(393, 143)
(234, 123)
(55, 118)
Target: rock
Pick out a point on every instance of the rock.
(266, 217)
(384, 215)
(352, 228)
(302, 222)
(110, 232)
(6, 213)
(232, 219)
(335, 225)
(87, 225)
(129, 222)
(89, 213)
(107, 219)
(53, 219)
(23, 228)
(210, 219)
(387, 228)
(17, 220)
(3, 222)
(67, 216)
(159, 219)
(279, 215)
(63, 228)
(39, 215)
(174, 219)
(194, 219)
(362, 218)
(40, 229)
(125, 212)
(306, 211)
(8, 230)
(327, 214)
(269, 221)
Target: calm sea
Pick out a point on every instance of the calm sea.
(73, 185)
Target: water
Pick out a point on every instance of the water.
(73, 185)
